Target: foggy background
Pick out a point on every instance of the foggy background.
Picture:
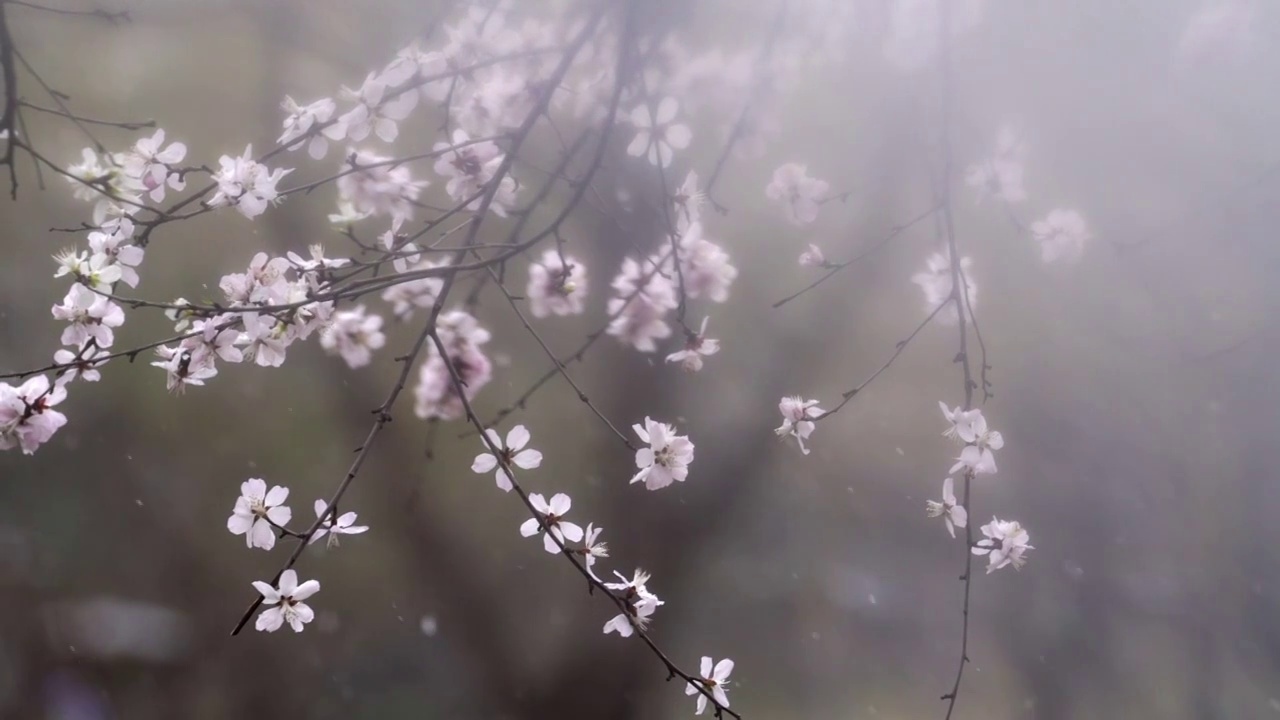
(1135, 390)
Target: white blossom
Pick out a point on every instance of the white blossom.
(470, 169)
(1001, 175)
(592, 549)
(688, 200)
(645, 296)
(91, 317)
(436, 394)
(83, 363)
(704, 266)
(216, 336)
(256, 510)
(246, 184)
(315, 267)
(512, 452)
(800, 194)
(813, 257)
(667, 458)
(373, 184)
(286, 601)
(971, 428)
(640, 604)
(952, 514)
(657, 136)
(267, 339)
(264, 282)
(27, 417)
(104, 182)
(407, 296)
(98, 271)
(353, 334)
(557, 285)
(302, 118)
(551, 522)
(713, 680)
(374, 110)
(624, 624)
(183, 368)
(1061, 235)
(935, 281)
(696, 347)
(797, 419)
(344, 525)
(180, 316)
(1005, 543)
(110, 249)
(151, 165)
(347, 214)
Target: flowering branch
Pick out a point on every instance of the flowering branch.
(495, 86)
(570, 554)
(963, 308)
(577, 355)
(382, 416)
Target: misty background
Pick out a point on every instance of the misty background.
(1136, 392)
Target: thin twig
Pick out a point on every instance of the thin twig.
(735, 133)
(110, 16)
(957, 287)
(566, 552)
(382, 418)
(8, 120)
(125, 125)
(582, 395)
(894, 232)
(847, 395)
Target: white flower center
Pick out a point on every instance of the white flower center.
(258, 507)
(664, 457)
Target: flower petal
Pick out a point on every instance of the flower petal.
(560, 504)
(571, 531)
(666, 110)
(484, 463)
(678, 136)
(517, 438)
(503, 480)
(305, 590)
(261, 535)
(528, 459)
(268, 593)
(280, 515)
(277, 496)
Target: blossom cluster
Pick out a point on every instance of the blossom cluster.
(260, 515)
(686, 266)
(1005, 542)
(496, 75)
(664, 461)
(118, 184)
(1060, 235)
